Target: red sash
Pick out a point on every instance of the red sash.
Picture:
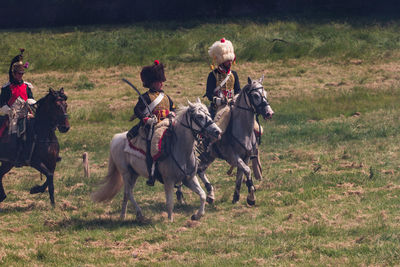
(16, 91)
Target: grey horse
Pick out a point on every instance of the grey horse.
(179, 167)
(238, 143)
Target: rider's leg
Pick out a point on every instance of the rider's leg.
(255, 158)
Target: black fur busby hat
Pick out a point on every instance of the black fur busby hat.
(152, 73)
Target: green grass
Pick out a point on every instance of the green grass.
(83, 48)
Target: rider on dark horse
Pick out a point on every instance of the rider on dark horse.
(222, 86)
(159, 106)
(15, 98)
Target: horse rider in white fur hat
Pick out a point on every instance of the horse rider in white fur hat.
(222, 86)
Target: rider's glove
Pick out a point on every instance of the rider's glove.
(150, 120)
(31, 101)
(219, 101)
(5, 110)
(171, 114)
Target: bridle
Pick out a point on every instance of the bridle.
(191, 119)
(250, 105)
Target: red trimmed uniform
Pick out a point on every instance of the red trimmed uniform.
(161, 111)
(9, 93)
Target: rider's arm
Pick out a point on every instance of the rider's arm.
(171, 104)
(236, 86)
(140, 109)
(211, 84)
(4, 96)
(29, 92)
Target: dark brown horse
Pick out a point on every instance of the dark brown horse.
(51, 114)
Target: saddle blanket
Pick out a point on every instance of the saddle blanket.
(158, 142)
(137, 145)
(223, 117)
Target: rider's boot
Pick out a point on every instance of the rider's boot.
(256, 163)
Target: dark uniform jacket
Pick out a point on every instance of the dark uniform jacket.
(161, 111)
(215, 78)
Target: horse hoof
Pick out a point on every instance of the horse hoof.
(140, 218)
(251, 202)
(210, 200)
(195, 217)
(36, 189)
(2, 198)
(235, 198)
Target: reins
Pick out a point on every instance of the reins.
(251, 108)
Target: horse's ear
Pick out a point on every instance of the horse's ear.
(198, 100)
(51, 91)
(249, 80)
(261, 79)
(190, 103)
(62, 90)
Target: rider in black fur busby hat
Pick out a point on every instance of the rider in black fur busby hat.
(152, 73)
(161, 105)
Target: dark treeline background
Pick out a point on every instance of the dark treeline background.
(50, 13)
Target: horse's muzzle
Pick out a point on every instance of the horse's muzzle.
(214, 134)
(268, 113)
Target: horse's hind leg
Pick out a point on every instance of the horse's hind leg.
(129, 183)
(5, 167)
(201, 172)
(194, 185)
(49, 183)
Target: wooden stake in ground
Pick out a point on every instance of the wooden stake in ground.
(85, 158)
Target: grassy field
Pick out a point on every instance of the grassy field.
(331, 154)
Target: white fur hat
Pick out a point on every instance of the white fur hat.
(221, 51)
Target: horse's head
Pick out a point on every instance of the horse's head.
(258, 98)
(56, 102)
(201, 121)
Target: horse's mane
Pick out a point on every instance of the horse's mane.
(183, 109)
(42, 101)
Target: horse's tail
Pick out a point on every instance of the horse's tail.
(111, 184)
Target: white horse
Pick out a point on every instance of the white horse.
(238, 142)
(179, 167)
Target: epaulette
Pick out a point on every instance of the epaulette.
(29, 84)
(6, 84)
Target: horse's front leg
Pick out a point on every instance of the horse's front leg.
(201, 172)
(169, 196)
(49, 183)
(194, 185)
(242, 169)
(251, 197)
(5, 167)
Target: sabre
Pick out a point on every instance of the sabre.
(137, 91)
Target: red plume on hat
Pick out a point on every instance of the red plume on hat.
(152, 73)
